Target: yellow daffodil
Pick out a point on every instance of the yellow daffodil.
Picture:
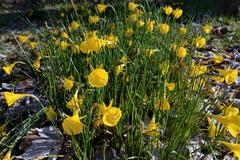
(8, 155)
(207, 28)
(197, 70)
(162, 104)
(101, 8)
(170, 86)
(150, 25)
(72, 125)
(231, 122)
(140, 23)
(177, 13)
(110, 115)
(231, 111)
(64, 35)
(92, 44)
(129, 32)
(76, 102)
(73, 26)
(133, 17)
(182, 30)
(8, 68)
(212, 129)
(68, 83)
(22, 38)
(229, 75)
(182, 52)
(199, 42)
(132, 6)
(93, 19)
(98, 78)
(64, 45)
(152, 128)
(33, 45)
(218, 59)
(119, 69)
(11, 97)
(164, 28)
(234, 148)
(36, 64)
(168, 10)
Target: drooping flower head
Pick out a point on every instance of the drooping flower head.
(110, 115)
(132, 6)
(101, 8)
(11, 97)
(72, 125)
(234, 148)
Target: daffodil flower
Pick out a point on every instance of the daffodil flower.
(234, 148)
(92, 44)
(162, 104)
(22, 38)
(212, 129)
(98, 78)
(177, 13)
(132, 6)
(101, 8)
(231, 122)
(76, 102)
(150, 25)
(170, 86)
(72, 125)
(11, 97)
(197, 70)
(164, 28)
(230, 75)
(68, 83)
(8, 68)
(168, 10)
(152, 128)
(110, 115)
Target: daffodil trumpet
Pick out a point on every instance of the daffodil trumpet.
(11, 97)
(8, 68)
